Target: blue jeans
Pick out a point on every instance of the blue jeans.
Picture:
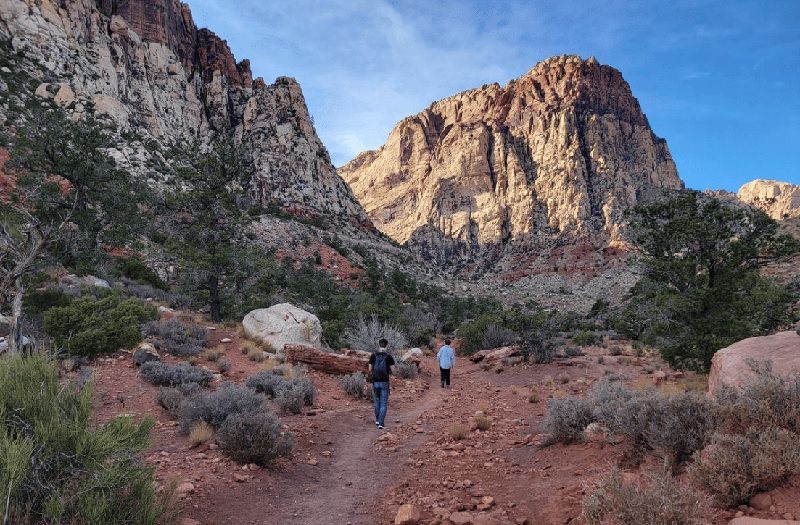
(380, 395)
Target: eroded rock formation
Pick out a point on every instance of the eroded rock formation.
(551, 159)
(779, 200)
(146, 67)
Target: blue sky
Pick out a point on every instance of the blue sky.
(720, 80)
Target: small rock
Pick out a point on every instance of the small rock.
(189, 521)
(225, 340)
(761, 501)
(407, 514)
(312, 461)
(240, 478)
(461, 518)
(185, 488)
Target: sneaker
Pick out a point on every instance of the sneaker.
(377, 424)
(380, 427)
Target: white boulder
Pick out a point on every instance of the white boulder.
(283, 324)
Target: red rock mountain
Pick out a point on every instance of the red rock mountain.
(536, 174)
(146, 67)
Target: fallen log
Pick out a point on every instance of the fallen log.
(325, 361)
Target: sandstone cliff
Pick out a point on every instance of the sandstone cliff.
(779, 200)
(146, 67)
(551, 159)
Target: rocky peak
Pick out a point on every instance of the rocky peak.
(144, 66)
(551, 159)
(779, 200)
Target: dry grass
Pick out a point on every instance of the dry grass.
(482, 422)
(563, 379)
(256, 355)
(213, 354)
(200, 432)
(458, 432)
(533, 398)
(193, 360)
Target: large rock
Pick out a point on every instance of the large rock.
(747, 520)
(779, 200)
(731, 366)
(283, 324)
(328, 362)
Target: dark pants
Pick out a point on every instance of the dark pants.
(380, 396)
(444, 374)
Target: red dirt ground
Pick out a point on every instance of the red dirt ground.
(344, 471)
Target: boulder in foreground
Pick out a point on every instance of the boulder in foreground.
(283, 324)
(731, 365)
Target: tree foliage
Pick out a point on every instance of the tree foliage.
(703, 290)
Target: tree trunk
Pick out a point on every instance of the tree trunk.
(325, 361)
(15, 334)
(213, 290)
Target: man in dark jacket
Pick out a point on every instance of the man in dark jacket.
(380, 368)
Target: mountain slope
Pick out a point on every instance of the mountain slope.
(552, 159)
(144, 66)
(779, 200)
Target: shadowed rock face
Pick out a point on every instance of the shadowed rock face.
(551, 159)
(144, 66)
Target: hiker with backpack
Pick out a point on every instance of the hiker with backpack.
(380, 368)
(446, 358)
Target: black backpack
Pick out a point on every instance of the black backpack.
(380, 369)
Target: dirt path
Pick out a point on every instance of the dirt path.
(333, 492)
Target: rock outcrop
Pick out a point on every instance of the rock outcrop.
(731, 366)
(551, 159)
(146, 68)
(779, 200)
(283, 324)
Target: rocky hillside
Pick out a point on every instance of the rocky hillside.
(146, 68)
(549, 161)
(779, 200)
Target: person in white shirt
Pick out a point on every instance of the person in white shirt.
(447, 358)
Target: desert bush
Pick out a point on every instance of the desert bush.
(458, 432)
(571, 351)
(285, 384)
(496, 336)
(224, 365)
(177, 337)
(213, 354)
(200, 432)
(584, 338)
(165, 374)
(482, 422)
(567, 418)
(96, 325)
(366, 334)
(768, 401)
(256, 355)
(254, 438)
(353, 384)
(733, 468)
(659, 501)
(39, 301)
(405, 370)
(615, 350)
(58, 466)
(681, 425)
(214, 407)
(290, 397)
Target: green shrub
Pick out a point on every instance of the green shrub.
(584, 338)
(57, 466)
(96, 325)
(736, 467)
(254, 438)
(290, 397)
(38, 302)
(165, 374)
(134, 268)
(657, 502)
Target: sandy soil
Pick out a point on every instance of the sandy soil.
(345, 471)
